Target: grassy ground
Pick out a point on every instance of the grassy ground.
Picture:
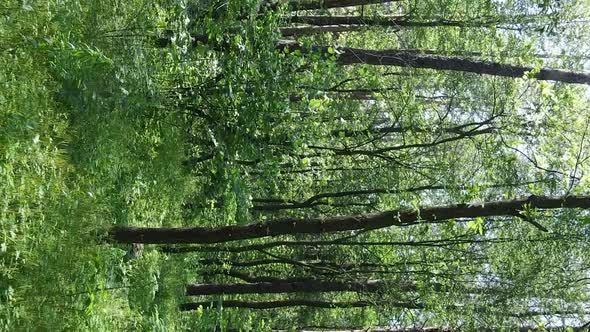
(80, 151)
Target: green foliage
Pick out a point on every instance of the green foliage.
(100, 126)
(74, 161)
(476, 225)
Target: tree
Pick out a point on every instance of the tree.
(405, 21)
(403, 58)
(440, 329)
(404, 217)
(295, 303)
(308, 286)
(325, 4)
(349, 56)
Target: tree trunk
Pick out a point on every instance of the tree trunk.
(318, 263)
(373, 131)
(324, 4)
(166, 39)
(392, 57)
(442, 329)
(396, 21)
(316, 199)
(254, 279)
(413, 59)
(401, 217)
(305, 31)
(297, 303)
(349, 95)
(439, 243)
(309, 286)
(381, 151)
(417, 329)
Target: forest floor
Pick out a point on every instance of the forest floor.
(79, 152)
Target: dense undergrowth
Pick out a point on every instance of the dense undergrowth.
(90, 138)
(111, 115)
(81, 150)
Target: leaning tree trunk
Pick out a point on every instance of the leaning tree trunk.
(310, 286)
(298, 303)
(401, 217)
(392, 57)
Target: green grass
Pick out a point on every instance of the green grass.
(78, 154)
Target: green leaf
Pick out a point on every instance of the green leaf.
(476, 225)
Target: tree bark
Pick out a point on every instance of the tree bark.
(417, 329)
(458, 129)
(316, 199)
(325, 4)
(319, 263)
(254, 279)
(298, 303)
(403, 58)
(443, 329)
(439, 243)
(392, 57)
(381, 151)
(401, 217)
(309, 286)
(305, 31)
(397, 21)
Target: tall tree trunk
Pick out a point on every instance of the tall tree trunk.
(165, 40)
(392, 57)
(305, 31)
(373, 131)
(444, 242)
(324, 4)
(316, 199)
(254, 279)
(317, 263)
(398, 21)
(378, 130)
(401, 217)
(309, 286)
(415, 59)
(349, 95)
(381, 151)
(441, 329)
(298, 303)
(416, 329)
(412, 59)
